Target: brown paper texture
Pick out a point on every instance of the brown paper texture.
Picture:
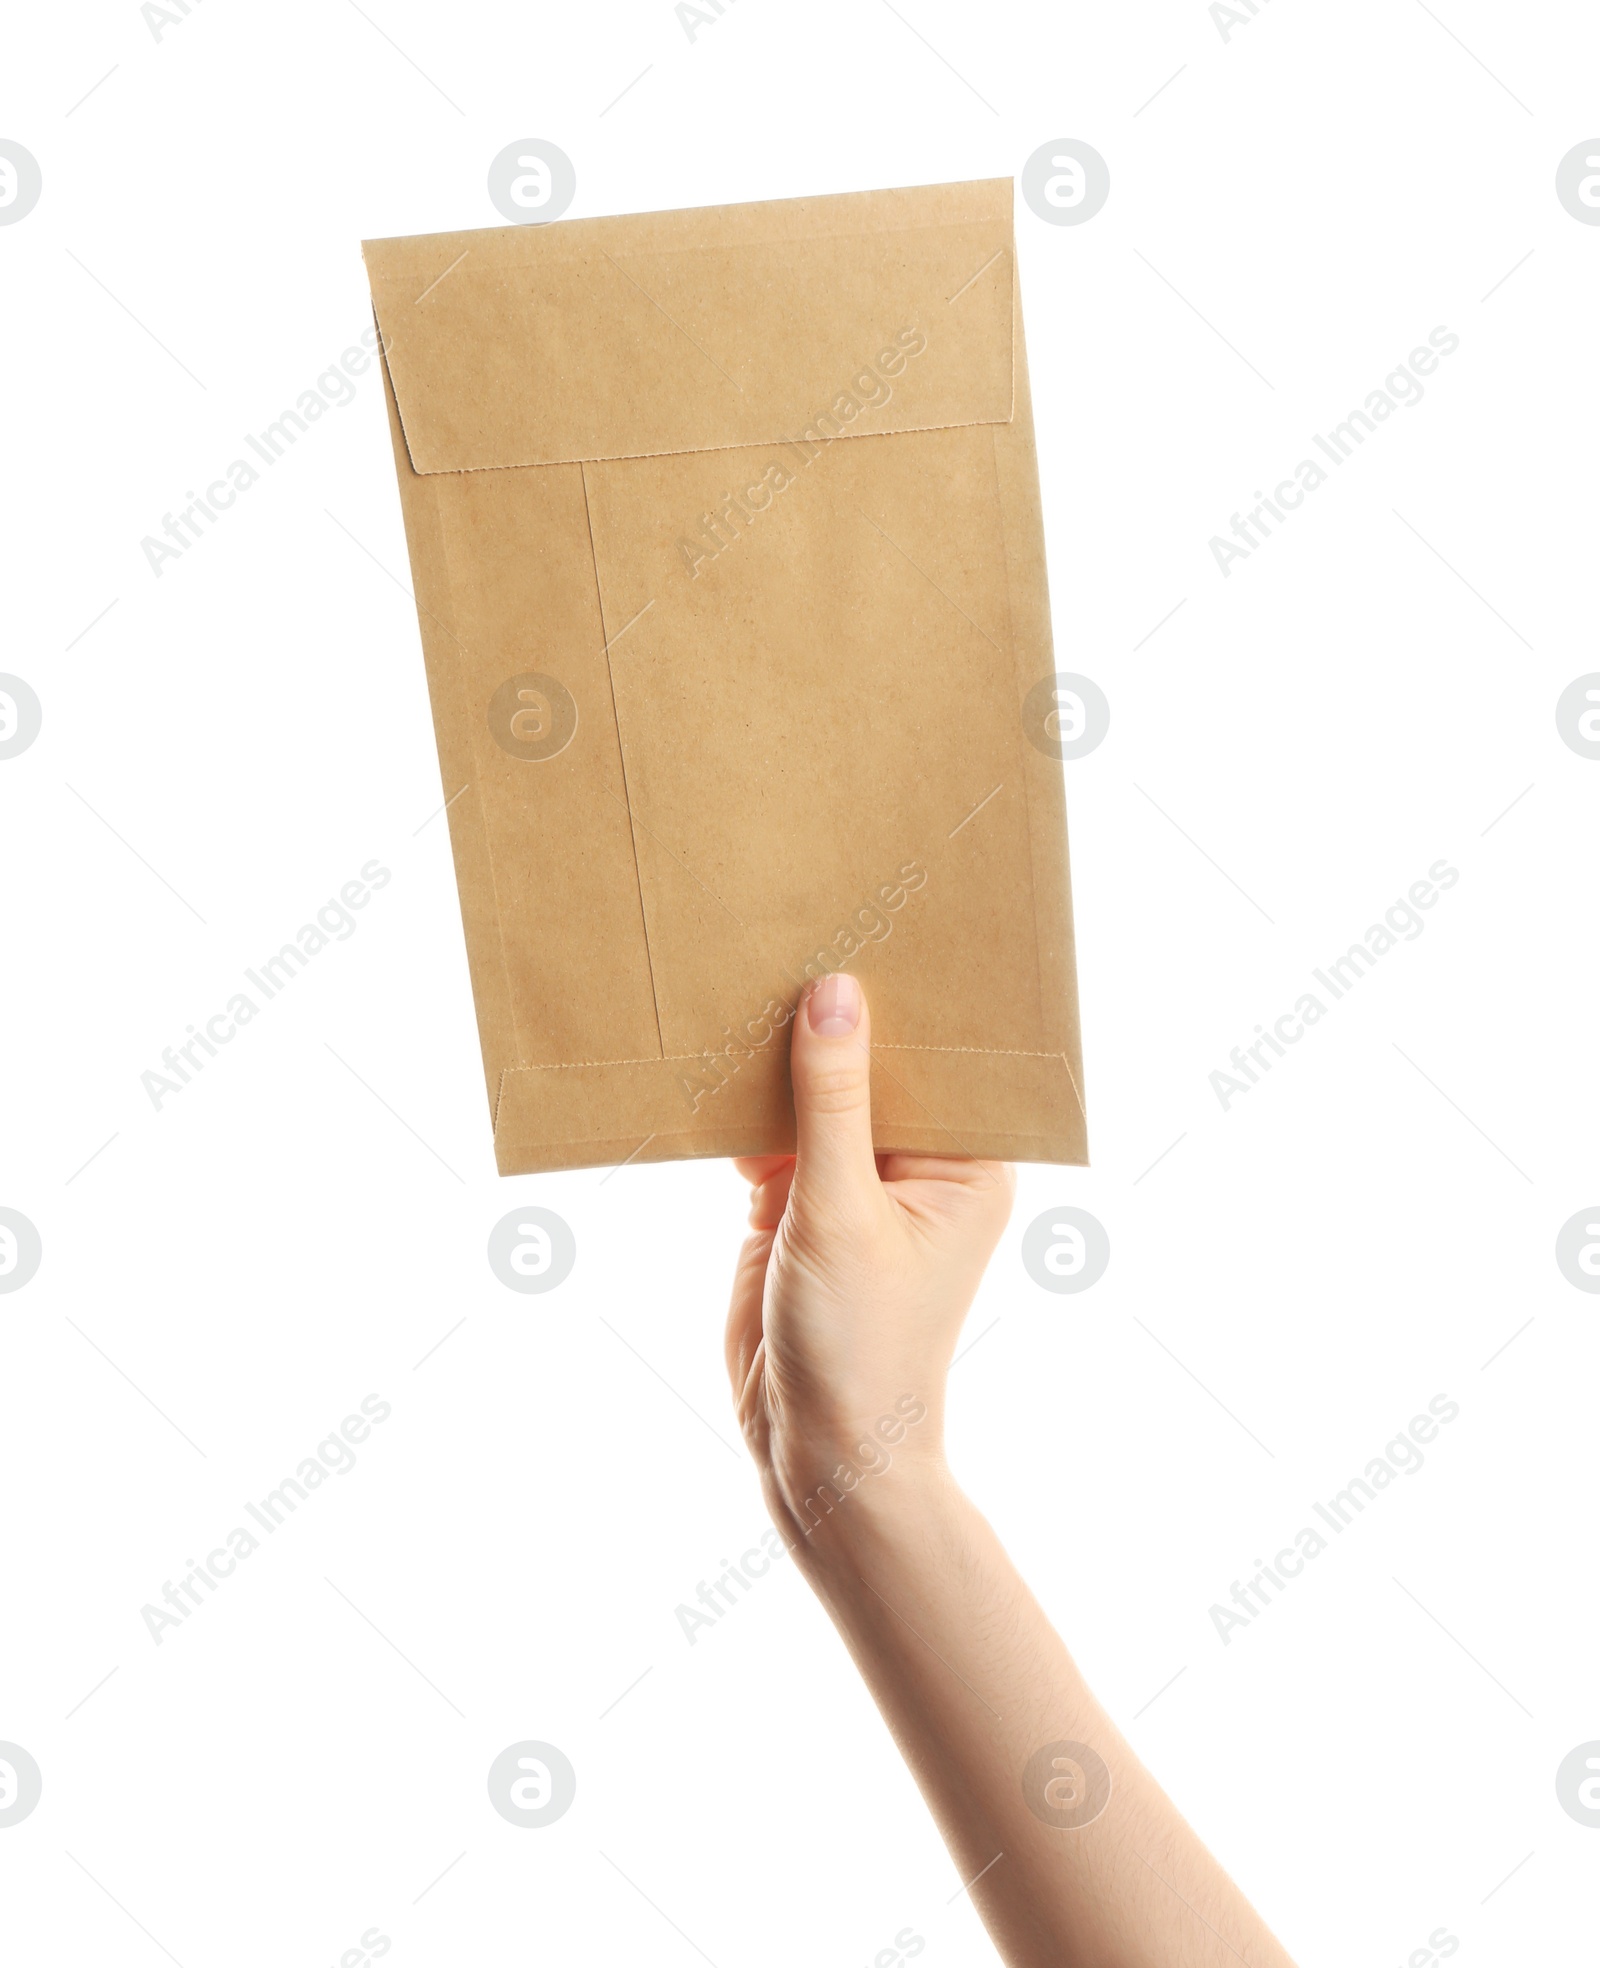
(724, 527)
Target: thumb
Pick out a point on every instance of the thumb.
(830, 1066)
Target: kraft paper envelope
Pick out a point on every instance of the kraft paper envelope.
(729, 567)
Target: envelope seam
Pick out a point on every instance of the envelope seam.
(399, 413)
(622, 761)
(573, 1065)
(1016, 677)
(700, 450)
(443, 526)
(1078, 1090)
(804, 236)
(988, 1052)
(597, 1143)
(428, 509)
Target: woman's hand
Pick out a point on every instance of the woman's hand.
(853, 1285)
(850, 1292)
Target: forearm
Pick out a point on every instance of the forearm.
(985, 1703)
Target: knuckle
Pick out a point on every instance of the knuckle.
(840, 1089)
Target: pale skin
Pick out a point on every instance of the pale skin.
(848, 1300)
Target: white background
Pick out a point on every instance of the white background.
(1294, 211)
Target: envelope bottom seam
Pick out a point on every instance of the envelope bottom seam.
(598, 1146)
(658, 1059)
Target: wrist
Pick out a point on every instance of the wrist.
(853, 1436)
(838, 1512)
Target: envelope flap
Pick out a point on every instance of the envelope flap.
(700, 330)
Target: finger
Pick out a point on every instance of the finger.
(966, 1169)
(830, 1067)
(757, 1169)
(742, 1335)
(978, 1200)
(769, 1199)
